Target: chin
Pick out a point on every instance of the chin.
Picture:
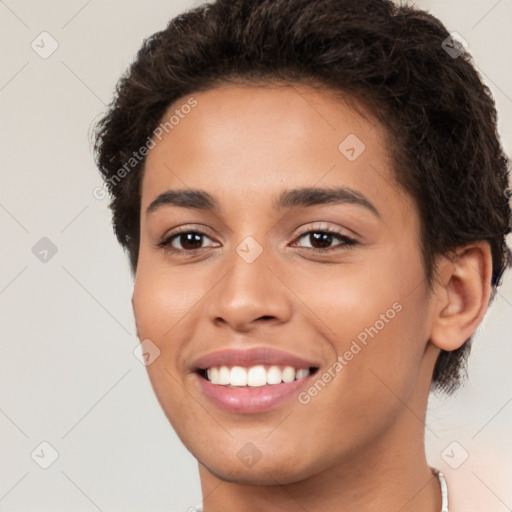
(269, 473)
(270, 466)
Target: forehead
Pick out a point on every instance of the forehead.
(260, 139)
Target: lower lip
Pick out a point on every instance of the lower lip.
(247, 400)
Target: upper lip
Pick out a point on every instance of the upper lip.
(252, 357)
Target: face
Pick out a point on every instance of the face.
(279, 259)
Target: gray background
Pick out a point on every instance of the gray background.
(68, 374)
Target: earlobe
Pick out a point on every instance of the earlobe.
(462, 295)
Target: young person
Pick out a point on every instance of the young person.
(312, 194)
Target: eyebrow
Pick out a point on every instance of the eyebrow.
(293, 198)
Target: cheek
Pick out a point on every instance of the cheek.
(375, 318)
(161, 302)
(379, 360)
(162, 297)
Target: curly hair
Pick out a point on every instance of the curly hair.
(436, 110)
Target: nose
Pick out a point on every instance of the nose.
(251, 294)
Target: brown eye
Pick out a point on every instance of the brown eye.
(190, 240)
(320, 240)
(186, 241)
(324, 240)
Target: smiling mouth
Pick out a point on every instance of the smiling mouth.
(254, 376)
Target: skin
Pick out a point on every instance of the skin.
(358, 444)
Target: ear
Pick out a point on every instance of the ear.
(462, 293)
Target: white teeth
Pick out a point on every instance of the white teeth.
(255, 376)
(274, 375)
(223, 377)
(288, 374)
(300, 374)
(213, 374)
(238, 376)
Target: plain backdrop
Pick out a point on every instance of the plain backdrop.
(69, 378)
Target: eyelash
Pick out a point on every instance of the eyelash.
(346, 242)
